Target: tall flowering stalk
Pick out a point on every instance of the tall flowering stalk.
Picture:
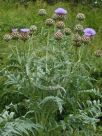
(49, 23)
(47, 46)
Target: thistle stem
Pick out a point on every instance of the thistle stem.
(76, 53)
(47, 50)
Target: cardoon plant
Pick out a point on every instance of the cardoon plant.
(58, 93)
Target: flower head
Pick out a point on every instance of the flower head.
(79, 28)
(77, 41)
(98, 53)
(85, 39)
(77, 38)
(42, 12)
(60, 25)
(15, 35)
(67, 31)
(49, 22)
(24, 36)
(80, 16)
(60, 11)
(7, 37)
(58, 35)
(89, 32)
(33, 28)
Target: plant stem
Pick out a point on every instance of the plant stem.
(47, 49)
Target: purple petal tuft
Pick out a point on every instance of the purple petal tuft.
(89, 32)
(25, 30)
(61, 11)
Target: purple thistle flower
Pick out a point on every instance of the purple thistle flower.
(89, 32)
(25, 30)
(60, 11)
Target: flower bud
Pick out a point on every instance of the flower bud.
(77, 40)
(24, 36)
(85, 39)
(67, 31)
(98, 53)
(7, 37)
(58, 35)
(49, 22)
(60, 24)
(15, 35)
(80, 16)
(42, 12)
(79, 28)
(33, 28)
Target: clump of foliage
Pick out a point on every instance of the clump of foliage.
(48, 73)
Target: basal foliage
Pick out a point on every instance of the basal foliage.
(53, 91)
